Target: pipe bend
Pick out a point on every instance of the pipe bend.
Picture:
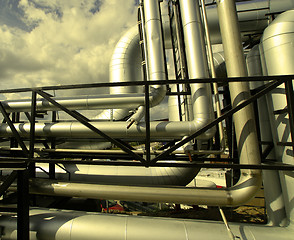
(245, 189)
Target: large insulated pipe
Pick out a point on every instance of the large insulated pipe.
(197, 65)
(244, 119)
(275, 206)
(277, 55)
(56, 224)
(130, 101)
(123, 175)
(237, 195)
(124, 66)
(158, 129)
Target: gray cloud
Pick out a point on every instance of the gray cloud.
(71, 41)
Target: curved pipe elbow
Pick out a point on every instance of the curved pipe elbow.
(202, 122)
(245, 189)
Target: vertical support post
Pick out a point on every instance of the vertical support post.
(290, 104)
(53, 145)
(32, 134)
(23, 225)
(147, 122)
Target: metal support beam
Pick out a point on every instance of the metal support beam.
(84, 121)
(147, 122)
(53, 145)
(23, 224)
(290, 103)
(32, 133)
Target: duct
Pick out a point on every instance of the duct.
(122, 175)
(126, 56)
(277, 55)
(201, 97)
(219, 64)
(272, 187)
(154, 54)
(196, 59)
(129, 101)
(53, 224)
(237, 195)
(244, 122)
(158, 129)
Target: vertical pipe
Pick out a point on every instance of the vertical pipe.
(244, 119)
(277, 53)
(154, 40)
(275, 207)
(196, 59)
(155, 58)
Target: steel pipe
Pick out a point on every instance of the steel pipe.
(158, 129)
(277, 58)
(244, 121)
(237, 195)
(53, 224)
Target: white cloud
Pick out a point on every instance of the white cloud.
(68, 44)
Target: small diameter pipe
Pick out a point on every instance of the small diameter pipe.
(112, 152)
(230, 233)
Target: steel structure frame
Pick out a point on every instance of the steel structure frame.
(24, 167)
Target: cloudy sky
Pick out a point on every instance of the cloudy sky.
(60, 42)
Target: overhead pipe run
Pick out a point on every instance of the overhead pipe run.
(123, 175)
(250, 180)
(54, 224)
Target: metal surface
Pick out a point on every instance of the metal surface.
(201, 97)
(213, 75)
(85, 122)
(60, 225)
(276, 43)
(244, 122)
(124, 175)
(235, 196)
(23, 203)
(252, 17)
(272, 187)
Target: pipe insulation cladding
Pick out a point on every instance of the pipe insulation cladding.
(277, 46)
(277, 56)
(56, 224)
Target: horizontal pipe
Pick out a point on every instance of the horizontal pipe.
(78, 103)
(236, 195)
(53, 224)
(113, 151)
(163, 129)
(120, 175)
